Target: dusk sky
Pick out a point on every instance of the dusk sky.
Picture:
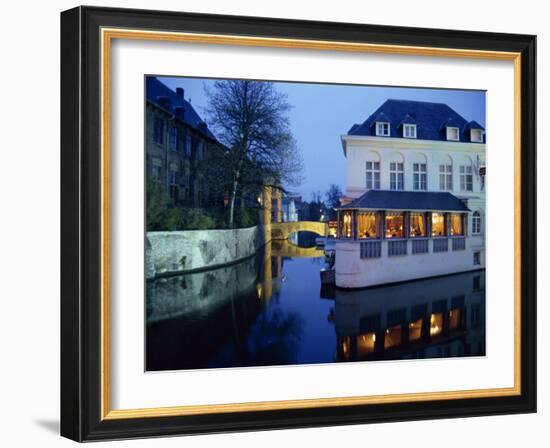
(321, 113)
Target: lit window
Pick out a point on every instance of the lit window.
(393, 337)
(366, 225)
(439, 224)
(436, 324)
(394, 225)
(453, 134)
(382, 129)
(373, 175)
(476, 223)
(476, 135)
(409, 130)
(446, 177)
(420, 176)
(346, 224)
(456, 224)
(417, 225)
(397, 176)
(366, 343)
(466, 178)
(415, 330)
(346, 347)
(455, 319)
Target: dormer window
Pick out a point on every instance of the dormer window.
(382, 129)
(476, 135)
(409, 130)
(453, 134)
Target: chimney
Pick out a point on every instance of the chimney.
(180, 92)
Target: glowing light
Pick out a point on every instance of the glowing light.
(365, 344)
(436, 324)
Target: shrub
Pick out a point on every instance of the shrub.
(196, 219)
(161, 214)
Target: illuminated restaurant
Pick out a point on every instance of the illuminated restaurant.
(408, 234)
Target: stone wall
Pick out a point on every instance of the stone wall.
(203, 292)
(191, 250)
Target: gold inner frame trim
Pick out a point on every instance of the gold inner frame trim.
(107, 35)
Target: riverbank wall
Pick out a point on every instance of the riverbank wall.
(180, 252)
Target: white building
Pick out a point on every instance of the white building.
(290, 214)
(415, 196)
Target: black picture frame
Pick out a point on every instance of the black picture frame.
(81, 210)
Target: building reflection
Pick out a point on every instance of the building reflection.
(274, 255)
(441, 317)
(267, 310)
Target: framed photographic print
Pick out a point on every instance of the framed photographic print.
(273, 224)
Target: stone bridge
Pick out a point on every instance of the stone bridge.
(282, 230)
(283, 248)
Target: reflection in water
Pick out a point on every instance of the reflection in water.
(271, 310)
(439, 317)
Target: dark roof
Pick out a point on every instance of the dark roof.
(475, 125)
(407, 120)
(430, 118)
(408, 200)
(164, 97)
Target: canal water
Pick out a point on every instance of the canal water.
(271, 310)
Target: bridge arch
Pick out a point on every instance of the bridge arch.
(282, 230)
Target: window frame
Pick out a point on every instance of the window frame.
(382, 134)
(447, 177)
(480, 140)
(375, 175)
(458, 217)
(393, 215)
(444, 223)
(373, 215)
(466, 177)
(476, 223)
(188, 146)
(449, 130)
(422, 216)
(397, 177)
(173, 134)
(158, 130)
(420, 178)
(409, 126)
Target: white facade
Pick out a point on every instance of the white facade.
(289, 211)
(362, 149)
(449, 166)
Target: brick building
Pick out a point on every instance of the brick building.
(177, 145)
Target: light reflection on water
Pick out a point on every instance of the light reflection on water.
(271, 310)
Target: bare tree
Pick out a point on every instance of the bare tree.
(333, 195)
(251, 119)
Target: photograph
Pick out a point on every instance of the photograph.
(294, 223)
(274, 222)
